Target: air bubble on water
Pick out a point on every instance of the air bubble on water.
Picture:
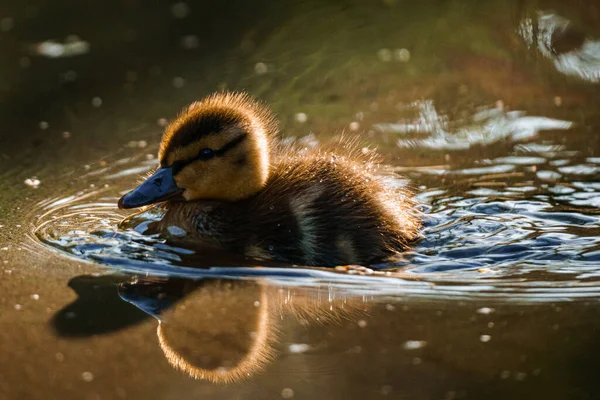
(558, 101)
(485, 338)
(362, 323)
(298, 348)
(485, 310)
(32, 182)
(257, 303)
(178, 82)
(44, 125)
(35, 296)
(354, 126)
(162, 122)
(66, 135)
(402, 55)
(414, 344)
(87, 376)
(301, 117)
(18, 307)
(287, 393)
(96, 102)
(261, 68)
(73, 46)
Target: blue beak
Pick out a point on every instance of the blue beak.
(159, 187)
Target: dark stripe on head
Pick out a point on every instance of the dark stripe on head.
(180, 164)
(207, 123)
(230, 145)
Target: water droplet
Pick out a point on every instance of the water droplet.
(301, 117)
(402, 55)
(414, 344)
(32, 182)
(87, 376)
(261, 68)
(178, 82)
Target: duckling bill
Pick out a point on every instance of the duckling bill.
(227, 183)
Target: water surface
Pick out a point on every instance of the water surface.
(489, 111)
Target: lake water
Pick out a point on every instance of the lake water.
(489, 111)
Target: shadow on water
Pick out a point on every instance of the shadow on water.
(98, 308)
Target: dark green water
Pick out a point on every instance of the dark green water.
(489, 109)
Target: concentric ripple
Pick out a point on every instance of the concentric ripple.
(525, 226)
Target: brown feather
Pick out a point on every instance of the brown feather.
(308, 207)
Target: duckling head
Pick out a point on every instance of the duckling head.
(216, 149)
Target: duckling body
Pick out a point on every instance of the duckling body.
(313, 207)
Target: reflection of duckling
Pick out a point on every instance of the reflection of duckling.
(227, 185)
(222, 332)
(226, 330)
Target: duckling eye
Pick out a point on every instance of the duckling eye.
(206, 154)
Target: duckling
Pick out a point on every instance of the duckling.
(227, 183)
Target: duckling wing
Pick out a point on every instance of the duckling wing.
(326, 211)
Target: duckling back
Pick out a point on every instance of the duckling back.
(324, 209)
